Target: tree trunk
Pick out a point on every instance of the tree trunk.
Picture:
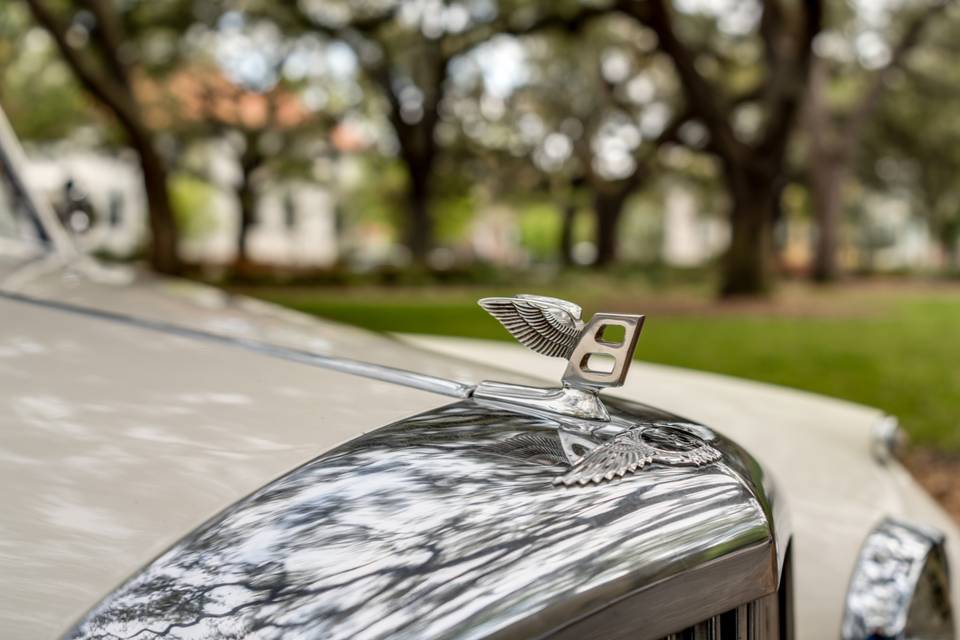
(418, 151)
(607, 209)
(247, 201)
(419, 231)
(747, 266)
(827, 169)
(566, 233)
(826, 182)
(949, 236)
(113, 91)
(162, 253)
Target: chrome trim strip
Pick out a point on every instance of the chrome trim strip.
(424, 382)
(447, 525)
(900, 588)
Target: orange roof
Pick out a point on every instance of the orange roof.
(202, 94)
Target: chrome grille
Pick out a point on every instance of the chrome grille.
(757, 620)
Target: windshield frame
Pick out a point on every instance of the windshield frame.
(13, 160)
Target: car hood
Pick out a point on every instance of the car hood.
(448, 525)
(133, 408)
(134, 293)
(118, 439)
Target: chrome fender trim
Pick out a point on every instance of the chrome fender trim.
(900, 587)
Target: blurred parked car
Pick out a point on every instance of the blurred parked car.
(181, 463)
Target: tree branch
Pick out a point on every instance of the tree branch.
(790, 77)
(108, 34)
(457, 45)
(909, 39)
(703, 99)
(671, 132)
(771, 31)
(107, 92)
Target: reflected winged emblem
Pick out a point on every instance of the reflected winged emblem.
(631, 451)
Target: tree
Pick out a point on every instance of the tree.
(91, 37)
(836, 135)
(405, 53)
(264, 125)
(577, 121)
(913, 148)
(43, 102)
(753, 158)
(614, 152)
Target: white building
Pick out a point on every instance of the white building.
(296, 221)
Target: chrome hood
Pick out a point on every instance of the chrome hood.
(448, 525)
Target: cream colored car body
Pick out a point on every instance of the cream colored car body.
(118, 440)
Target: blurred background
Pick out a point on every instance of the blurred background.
(772, 182)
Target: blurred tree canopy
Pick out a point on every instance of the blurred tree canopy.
(580, 107)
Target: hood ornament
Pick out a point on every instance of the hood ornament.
(553, 327)
(597, 448)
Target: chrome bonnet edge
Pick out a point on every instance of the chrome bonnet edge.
(448, 525)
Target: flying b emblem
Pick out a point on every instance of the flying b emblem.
(598, 354)
(553, 327)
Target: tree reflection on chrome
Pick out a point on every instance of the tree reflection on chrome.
(442, 525)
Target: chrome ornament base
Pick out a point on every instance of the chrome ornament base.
(569, 401)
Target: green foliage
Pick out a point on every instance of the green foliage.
(192, 201)
(540, 230)
(915, 148)
(642, 230)
(38, 93)
(376, 194)
(453, 217)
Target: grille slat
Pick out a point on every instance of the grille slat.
(757, 620)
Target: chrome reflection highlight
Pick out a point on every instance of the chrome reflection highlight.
(447, 525)
(900, 588)
(887, 439)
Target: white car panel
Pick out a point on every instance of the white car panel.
(116, 441)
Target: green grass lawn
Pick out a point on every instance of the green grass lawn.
(890, 346)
